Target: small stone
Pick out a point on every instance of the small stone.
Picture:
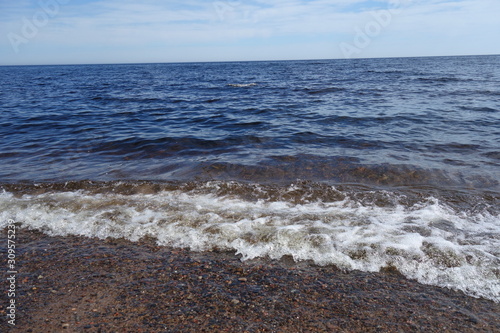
(65, 326)
(243, 279)
(235, 301)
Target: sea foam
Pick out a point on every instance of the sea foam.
(427, 240)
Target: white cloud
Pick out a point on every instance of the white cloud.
(155, 26)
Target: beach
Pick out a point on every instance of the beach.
(342, 195)
(80, 284)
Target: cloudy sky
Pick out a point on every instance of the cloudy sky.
(122, 31)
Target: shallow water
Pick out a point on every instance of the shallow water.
(425, 237)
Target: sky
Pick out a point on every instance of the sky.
(36, 32)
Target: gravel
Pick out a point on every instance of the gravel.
(78, 284)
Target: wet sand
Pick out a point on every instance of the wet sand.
(77, 284)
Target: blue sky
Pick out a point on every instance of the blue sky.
(122, 31)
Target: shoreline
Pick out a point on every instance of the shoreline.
(79, 284)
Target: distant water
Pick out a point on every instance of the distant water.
(364, 164)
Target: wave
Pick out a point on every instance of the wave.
(323, 90)
(395, 71)
(493, 155)
(425, 237)
(161, 147)
(122, 99)
(479, 109)
(444, 79)
(242, 85)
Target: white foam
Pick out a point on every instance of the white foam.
(242, 85)
(429, 241)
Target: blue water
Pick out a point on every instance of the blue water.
(414, 120)
(363, 164)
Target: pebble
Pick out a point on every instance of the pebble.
(326, 299)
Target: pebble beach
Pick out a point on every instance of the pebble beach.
(79, 284)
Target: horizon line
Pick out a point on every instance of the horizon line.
(234, 61)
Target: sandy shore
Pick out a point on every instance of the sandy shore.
(78, 284)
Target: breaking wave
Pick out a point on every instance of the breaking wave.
(424, 237)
